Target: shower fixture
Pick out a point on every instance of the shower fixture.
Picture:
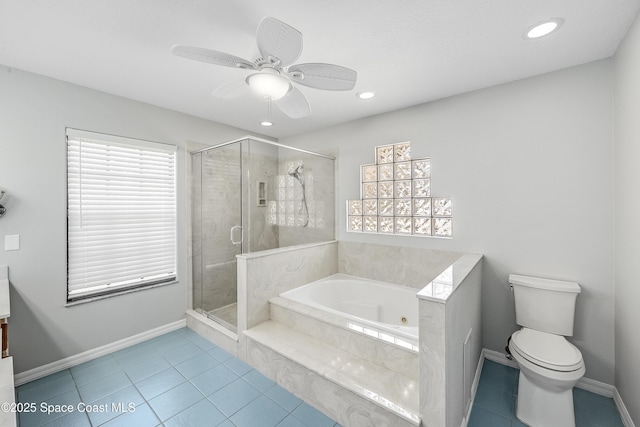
(297, 173)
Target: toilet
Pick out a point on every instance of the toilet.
(549, 364)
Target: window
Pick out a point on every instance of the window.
(121, 214)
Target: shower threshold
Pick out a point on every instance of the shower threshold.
(227, 316)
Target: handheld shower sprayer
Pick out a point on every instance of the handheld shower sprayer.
(297, 173)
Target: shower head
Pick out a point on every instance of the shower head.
(297, 173)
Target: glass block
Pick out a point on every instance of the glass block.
(282, 206)
(403, 225)
(384, 154)
(402, 152)
(422, 226)
(385, 189)
(355, 207)
(273, 207)
(371, 224)
(291, 220)
(421, 188)
(385, 207)
(355, 223)
(369, 173)
(403, 189)
(371, 207)
(290, 181)
(290, 206)
(282, 193)
(385, 224)
(441, 206)
(421, 168)
(442, 227)
(273, 218)
(385, 172)
(422, 207)
(282, 219)
(291, 191)
(297, 193)
(369, 190)
(282, 181)
(402, 207)
(402, 170)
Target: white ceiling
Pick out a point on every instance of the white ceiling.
(407, 51)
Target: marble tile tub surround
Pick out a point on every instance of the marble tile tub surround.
(266, 274)
(335, 331)
(450, 343)
(313, 371)
(414, 267)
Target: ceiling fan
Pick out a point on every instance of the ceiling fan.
(280, 46)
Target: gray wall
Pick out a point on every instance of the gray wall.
(627, 208)
(35, 111)
(529, 166)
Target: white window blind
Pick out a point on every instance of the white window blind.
(121, 226)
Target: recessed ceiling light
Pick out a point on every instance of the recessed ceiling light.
(266, 123)
(366, 95)
(543, 28)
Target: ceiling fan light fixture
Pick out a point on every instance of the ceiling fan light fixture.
(269, 83)
(543, 28)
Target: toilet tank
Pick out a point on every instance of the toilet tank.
(545, 305)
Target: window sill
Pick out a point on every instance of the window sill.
(115, 294)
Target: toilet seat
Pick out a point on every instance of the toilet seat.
(547, 350)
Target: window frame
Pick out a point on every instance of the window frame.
(89, 293)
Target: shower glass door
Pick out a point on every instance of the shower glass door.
(218, 235)
(247, 196)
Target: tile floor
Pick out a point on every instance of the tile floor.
(177, 379)
(181, 379)
(494, 404)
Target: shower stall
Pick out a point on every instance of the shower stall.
(252, 195)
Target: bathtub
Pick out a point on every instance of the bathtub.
(383, 310)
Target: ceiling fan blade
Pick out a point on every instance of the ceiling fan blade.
(231, 89)
(294, 104)
(212, 57)
(323, 76)
(277, 40)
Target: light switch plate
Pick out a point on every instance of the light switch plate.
(12, 242)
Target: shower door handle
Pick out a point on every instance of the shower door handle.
(233, 233)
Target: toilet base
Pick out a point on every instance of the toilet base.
(544, 407)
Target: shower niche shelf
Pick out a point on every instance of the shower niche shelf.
(395, 197)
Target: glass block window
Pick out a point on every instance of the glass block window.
(395, 197)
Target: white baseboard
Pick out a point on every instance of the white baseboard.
(624, 414)
(498, 357)
(588, 384)
(71, 361)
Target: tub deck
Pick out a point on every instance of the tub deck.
(356, 378)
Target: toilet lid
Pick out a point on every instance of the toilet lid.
(547, 350)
